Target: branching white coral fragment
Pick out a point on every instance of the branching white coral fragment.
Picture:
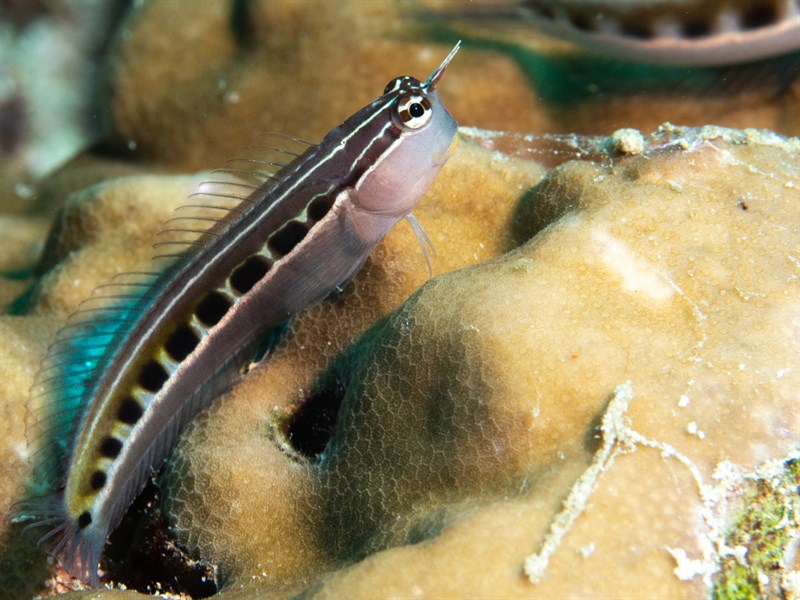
(618, 436)
(614, 432)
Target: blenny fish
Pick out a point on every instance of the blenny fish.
(668, 32)
(123, 379)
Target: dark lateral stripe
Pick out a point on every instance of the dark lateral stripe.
(250, 272)
(283, 241)
(181, 342)
(153, 376)
(212, 308)
(129, 411)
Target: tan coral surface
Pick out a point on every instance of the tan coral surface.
(471, 412)
(190, 99)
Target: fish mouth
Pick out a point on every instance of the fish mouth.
(452, 147)
(442, 158)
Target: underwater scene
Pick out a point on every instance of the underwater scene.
(399, 299)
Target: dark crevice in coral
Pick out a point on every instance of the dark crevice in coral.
(142, 555)
(241, 24)
(309, 429)
(593, 434)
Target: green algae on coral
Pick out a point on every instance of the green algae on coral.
(767, 521)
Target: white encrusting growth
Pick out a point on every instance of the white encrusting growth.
(616, 434)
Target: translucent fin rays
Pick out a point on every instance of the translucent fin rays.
(425, 241)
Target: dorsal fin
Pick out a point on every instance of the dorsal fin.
(92, 334)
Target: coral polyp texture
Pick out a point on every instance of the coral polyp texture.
(467, 416)
(593, 394)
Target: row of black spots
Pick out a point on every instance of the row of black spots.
(212, 308)
(151, 378)
(319, 207)
(760, 14)
(588, 21)
(129, 412)
(283, 241)
(249, 273)
(181, 342)
(755, 16)
(643, 30)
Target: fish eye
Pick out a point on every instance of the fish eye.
(413, 111)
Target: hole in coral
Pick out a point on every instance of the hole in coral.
(242, 23)
(142, 555)
(309, 428)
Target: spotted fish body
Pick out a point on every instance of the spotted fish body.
(143, 368)
(669, 32)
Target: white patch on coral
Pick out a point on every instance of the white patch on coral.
(790, 582)
(688, 568)
(638, 274)
(693, 429)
